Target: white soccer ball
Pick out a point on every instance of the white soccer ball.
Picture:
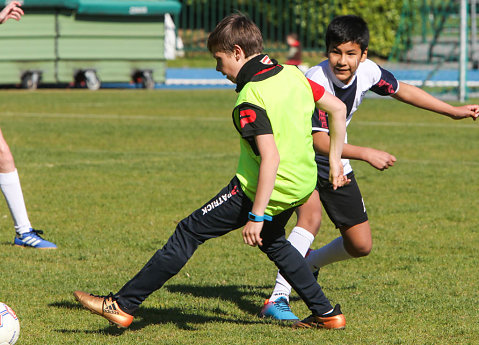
(9, 325)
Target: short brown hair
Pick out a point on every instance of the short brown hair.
(236, 29)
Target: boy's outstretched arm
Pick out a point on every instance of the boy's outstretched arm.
(419, 98)
(336, 110)
(266, 179)
(378, 159)
(11, 11)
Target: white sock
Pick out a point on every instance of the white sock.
(12, 191)
(301, 239)
(332, 252)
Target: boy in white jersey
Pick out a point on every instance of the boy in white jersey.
(348, 74)
(26, 236)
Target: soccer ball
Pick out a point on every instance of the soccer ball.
(9, 325)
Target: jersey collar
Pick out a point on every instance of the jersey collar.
(253, 67)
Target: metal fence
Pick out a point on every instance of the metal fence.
(275, 18)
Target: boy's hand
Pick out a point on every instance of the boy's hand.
(465, 111)
(380, 160)
(336, 174)
(11, 11)
(251, 233)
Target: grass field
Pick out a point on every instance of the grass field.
(108, 175)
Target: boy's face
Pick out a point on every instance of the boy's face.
(344, 60)
(229, 63)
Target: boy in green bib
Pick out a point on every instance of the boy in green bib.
(276, 172)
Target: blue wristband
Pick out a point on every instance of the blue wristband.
(255, 218)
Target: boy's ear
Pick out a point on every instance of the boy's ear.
(238, 52)
(364, 55)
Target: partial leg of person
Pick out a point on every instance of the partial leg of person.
(301, 237)
(227, 211)
(293, 268)
(355, 241)
(26, 236)
(345, 208)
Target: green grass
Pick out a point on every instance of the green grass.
(108, 174)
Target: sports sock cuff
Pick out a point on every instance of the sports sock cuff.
(23, 230)
(278, 295)
(9, 178)
(303, 232)
(301, 239)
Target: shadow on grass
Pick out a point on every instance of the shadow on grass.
(182, 319)
(154, 316)
(237, 294)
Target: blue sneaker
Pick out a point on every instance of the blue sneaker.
(32, 239)
(278, 310)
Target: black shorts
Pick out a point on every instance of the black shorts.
(345, 205)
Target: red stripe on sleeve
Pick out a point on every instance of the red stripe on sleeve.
(318, 90)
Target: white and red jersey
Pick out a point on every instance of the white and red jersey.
(369, 76)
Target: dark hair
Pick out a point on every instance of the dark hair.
(347, 29)
(236, 29)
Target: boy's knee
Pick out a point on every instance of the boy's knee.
(274, 248)
(310, 222)
(360, 250)
(357, 239)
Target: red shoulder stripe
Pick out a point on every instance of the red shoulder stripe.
(318, 90)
